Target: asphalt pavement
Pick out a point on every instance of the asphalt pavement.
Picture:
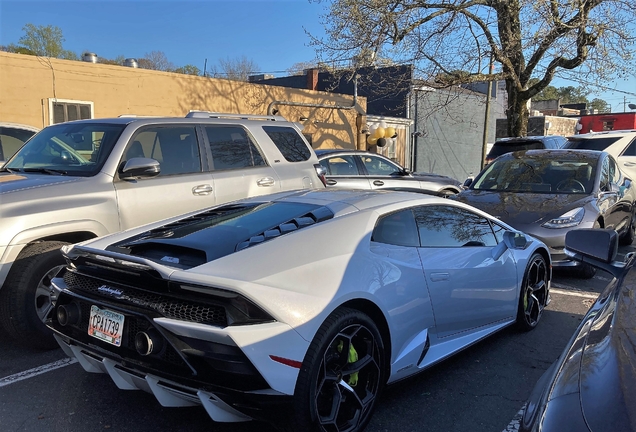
(480, 389)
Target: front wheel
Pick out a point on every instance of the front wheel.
(341, 376)
(534, 293)
(25, 298)
(628, 237)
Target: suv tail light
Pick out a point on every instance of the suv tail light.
(322, 172)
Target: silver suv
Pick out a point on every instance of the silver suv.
(78, 180)
(619, 143)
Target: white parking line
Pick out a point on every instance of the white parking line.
(514, 424)
(573, 293)
(36, 371)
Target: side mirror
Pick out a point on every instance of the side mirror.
(511, 240)
(468, 182)
(135, 168)
(597, 247)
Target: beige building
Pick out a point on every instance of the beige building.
(41, 91)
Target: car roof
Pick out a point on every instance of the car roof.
(560, 153)
(527, 138)
(601, 134)
(19, 126)
(326, 152)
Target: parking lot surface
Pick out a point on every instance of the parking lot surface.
(479, 389)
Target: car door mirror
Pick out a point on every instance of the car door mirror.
(135, 168)
(511, 240)
(595, 246)
(468, 182)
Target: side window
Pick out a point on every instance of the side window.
(397, 229)
(499, 232)
(447, 226)
(631, 149)
(289, 142)
(379, 166)
(11, 140)
(615, 174)
(340, 165)
(605, 176)
(174, 147)
(232, 148)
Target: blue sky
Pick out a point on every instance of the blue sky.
(269, 32)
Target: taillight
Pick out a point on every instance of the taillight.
(322, 173)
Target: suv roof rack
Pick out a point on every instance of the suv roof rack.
(210, 114)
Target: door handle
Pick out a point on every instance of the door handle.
(204, 189)
(331, 182)
(266, 181)
(439, 276)
(630, 163)
(378, 182)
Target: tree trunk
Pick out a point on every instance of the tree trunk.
(517, 112)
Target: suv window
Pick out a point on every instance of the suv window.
(174, 147)
(446, 226)
(289, 142)
(397, 229)
(503, 147)
(78, 149)
(232, 148)
(631, 149)
(590, 143)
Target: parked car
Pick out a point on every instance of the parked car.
(12, 137)
(353, 169)
(620, 144)
(507, 145)
(78, 180)
(310, 301)
(546, 193)
(592, 385)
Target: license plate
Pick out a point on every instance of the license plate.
(106, 325)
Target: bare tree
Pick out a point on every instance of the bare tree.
(156, 60)
(524, 38)
(238, 69)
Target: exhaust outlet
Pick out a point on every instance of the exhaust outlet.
(68, 314)
(147, 342)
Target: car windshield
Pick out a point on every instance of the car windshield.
(77, 149)
(539, 175)
(590, 143)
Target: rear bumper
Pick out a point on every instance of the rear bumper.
(221, 404)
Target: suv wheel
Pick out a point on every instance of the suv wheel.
(25, 297)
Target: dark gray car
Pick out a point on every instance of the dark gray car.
(545, 193)
(592, 385)
(354, 169)
(507, 145)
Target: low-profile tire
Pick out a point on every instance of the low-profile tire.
(585, 271)
(534, 293)
(24, 297)
(335, 392)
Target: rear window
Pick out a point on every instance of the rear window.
(590, 143)
(503, 147)
(289, 142)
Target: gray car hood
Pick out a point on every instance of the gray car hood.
(516, 208)
(435, 178)
(10, 182)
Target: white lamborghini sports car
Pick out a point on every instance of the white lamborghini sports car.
(307, 301)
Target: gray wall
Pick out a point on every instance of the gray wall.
(451, 123)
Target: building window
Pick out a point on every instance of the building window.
(608, 125)
(62, 110)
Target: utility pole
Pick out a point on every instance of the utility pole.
(484, 141)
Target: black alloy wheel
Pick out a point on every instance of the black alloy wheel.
(534, 293)
(342, 375)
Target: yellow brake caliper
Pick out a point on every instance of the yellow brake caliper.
(353, 357)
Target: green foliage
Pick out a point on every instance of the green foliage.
(188, 70)
(44, 41)
(569, 94)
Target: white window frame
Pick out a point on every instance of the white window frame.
(69, 101)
